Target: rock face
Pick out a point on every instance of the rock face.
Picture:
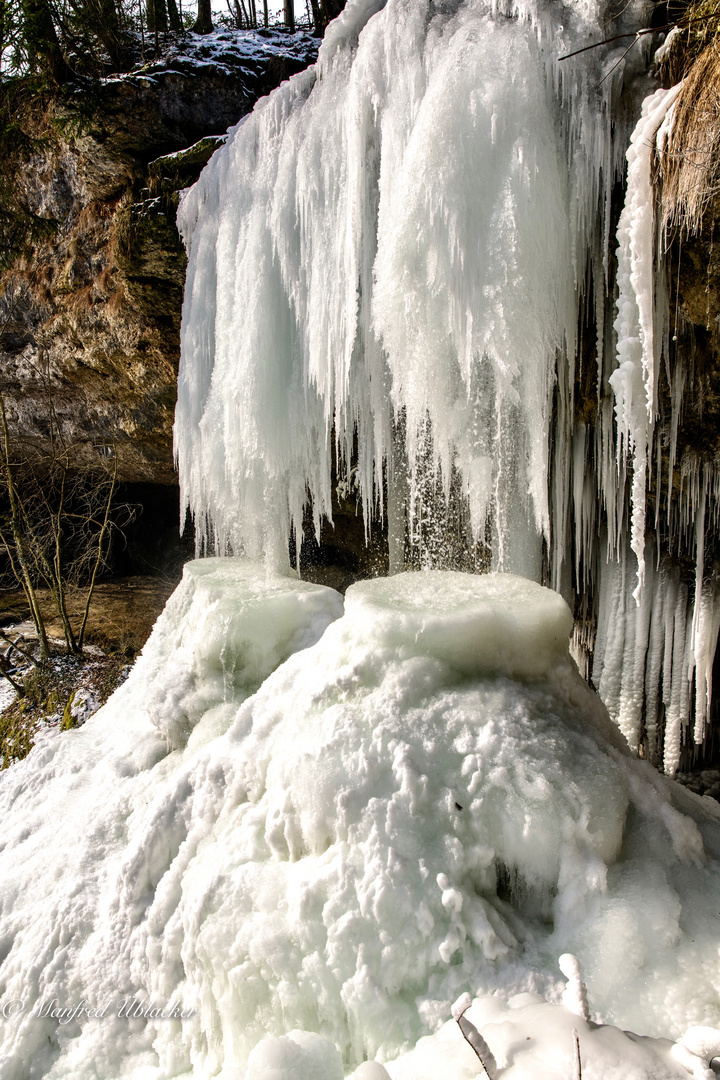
(694, 266)
(90, 311)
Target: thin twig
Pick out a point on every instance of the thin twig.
(618, 37)
(99, 557)
(616, 64)
(638, 34)
(16, 686)
(473, 1038)
(28, 656)
(578, 1063)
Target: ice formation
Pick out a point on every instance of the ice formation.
(389, 262)
(653, 643)
(368, 254)
(303, 828)
(314, 848)
(634, 380)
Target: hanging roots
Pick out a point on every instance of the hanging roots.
(691, 161)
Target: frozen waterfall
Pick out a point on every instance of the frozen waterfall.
(307, 824)
(388, 265)
(395, 239)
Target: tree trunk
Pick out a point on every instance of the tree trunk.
(103, 20)
(329, 9)
(174, 15)
(43, 47)
(156, 13)
(204, 23)
(289, 15)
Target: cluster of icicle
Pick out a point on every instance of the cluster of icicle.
(654, 634)
(397, 236)
(386, 265)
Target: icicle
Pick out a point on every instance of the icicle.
(621, 645)
(654, 664)
(704, 645)
(676, 699)
(634, 381)
(579, 454)
(700, 550)
(705, 620)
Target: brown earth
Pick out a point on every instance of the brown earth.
(122, 612)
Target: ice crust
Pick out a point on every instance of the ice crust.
(388, 821)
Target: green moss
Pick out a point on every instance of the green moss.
(17, 731)
(68, 720)
(148, 245)
(168, 174)
(46, 687)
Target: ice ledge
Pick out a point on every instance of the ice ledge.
(479, 624)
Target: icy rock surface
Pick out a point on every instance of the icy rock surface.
(389, 819)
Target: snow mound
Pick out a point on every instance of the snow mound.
(330, 861)
(534, 1040)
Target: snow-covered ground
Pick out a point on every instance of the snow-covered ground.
(229, 52)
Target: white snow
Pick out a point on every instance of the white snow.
(395, 814)
(533, 1040)
(238, 53)
(574, 995)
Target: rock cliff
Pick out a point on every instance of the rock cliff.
(90, 308)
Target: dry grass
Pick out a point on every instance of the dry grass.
(122, 612)
(690, 163)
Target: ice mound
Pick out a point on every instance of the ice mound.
(390, 820)
(472, 623)
(226, 627)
